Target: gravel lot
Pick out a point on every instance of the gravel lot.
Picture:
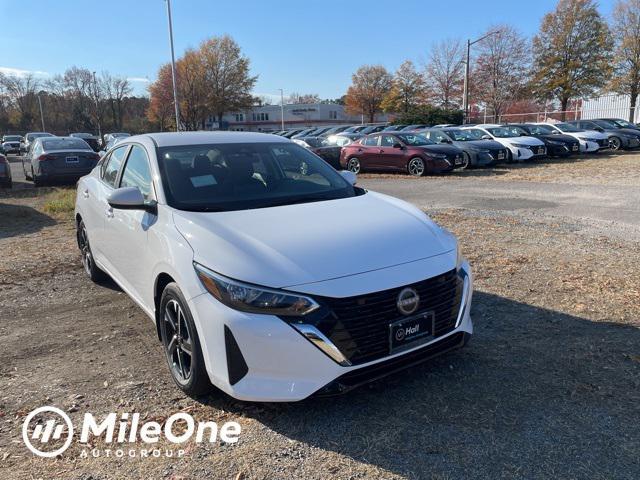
(549, 387)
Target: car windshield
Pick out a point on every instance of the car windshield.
(567, 127)
(31, 136)
(415, 140)
(65, 144)
(466, 135)
(239, 176)
(542, 130)
(623, 123)
(12, 138)
(605, 124)
(502, 132)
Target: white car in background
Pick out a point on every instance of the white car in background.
(520, 148)
(268, 273)
(590, 140)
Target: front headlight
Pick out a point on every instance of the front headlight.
(252, 298)
(438, 156)
(520, 145)
(553, 142)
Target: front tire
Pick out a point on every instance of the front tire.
(416, 167)
(88, 263)
(181, 343)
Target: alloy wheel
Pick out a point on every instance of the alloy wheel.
(416, 167)
(85, 250)
(615, 143)
(178, 341)
(354, 165)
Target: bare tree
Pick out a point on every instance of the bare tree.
(307, 98)
(21, 91)
(370, 84)
(626, 34)
(116, 89)
(444, 73)
(501, 69)
(407, 89)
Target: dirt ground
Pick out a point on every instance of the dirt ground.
(549, 386)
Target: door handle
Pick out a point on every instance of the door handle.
(109, 212)
(381, 151)
(85, 194)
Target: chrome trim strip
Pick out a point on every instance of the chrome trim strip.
(316, 337)
(466, 287)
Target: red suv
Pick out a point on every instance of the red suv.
(402, 152)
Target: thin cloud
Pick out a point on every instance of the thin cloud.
(18, 72)
(139, 79)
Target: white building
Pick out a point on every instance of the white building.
(609, 106)
(269, 117)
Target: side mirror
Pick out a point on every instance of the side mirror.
(398, 145)
(600, 129)
(130, 198)
(349, 176)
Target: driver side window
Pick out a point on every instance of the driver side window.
(370, 141)
(112, 166)
(388, 141)
(136, 172)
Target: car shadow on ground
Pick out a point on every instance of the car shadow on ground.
(16, 220)
(537, 393)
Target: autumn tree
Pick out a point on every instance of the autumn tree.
(626, 69)
(501, 69)
(407, 89)
(444, 73)
(192, 89)
(161, 107)
(369, 85)
(226, 76)
(572, 52)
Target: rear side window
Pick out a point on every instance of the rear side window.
(136, 172)
(112, 166)
(370, 141)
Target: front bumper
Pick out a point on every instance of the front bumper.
(282, 365)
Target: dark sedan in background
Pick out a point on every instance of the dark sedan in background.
(619, 138)
(58, 159)
(477, 152)
(401, 152)
(326, 148)
(92, 140)
(558, 145)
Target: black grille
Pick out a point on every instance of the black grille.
(359, 326)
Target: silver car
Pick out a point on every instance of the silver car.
(30, 137)
(58, 159)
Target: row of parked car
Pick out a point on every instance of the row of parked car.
(421, 149)
(47, 157)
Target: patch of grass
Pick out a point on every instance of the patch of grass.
(60, 201)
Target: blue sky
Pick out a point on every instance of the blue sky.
(304, 46)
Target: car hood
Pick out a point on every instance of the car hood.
(525, 140)
(488, 144)
(298, 244)
(626, 131)
(560, 138)
(444, 149)
(589, 134)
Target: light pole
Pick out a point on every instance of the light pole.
(173, 67)
(282, 108)
(465, 93)
(41, 114)
(95, 93)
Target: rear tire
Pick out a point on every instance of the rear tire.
(353, 165)
(37, 181)
(88, 263)
(181, 343)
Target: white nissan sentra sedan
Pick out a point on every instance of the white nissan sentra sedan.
(268, 273)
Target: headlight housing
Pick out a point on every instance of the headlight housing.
(520, 145)
(252, 298)
(438, 156)
(553, 142)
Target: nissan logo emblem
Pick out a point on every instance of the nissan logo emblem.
(408, 301)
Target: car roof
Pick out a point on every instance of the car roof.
(167, 139)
